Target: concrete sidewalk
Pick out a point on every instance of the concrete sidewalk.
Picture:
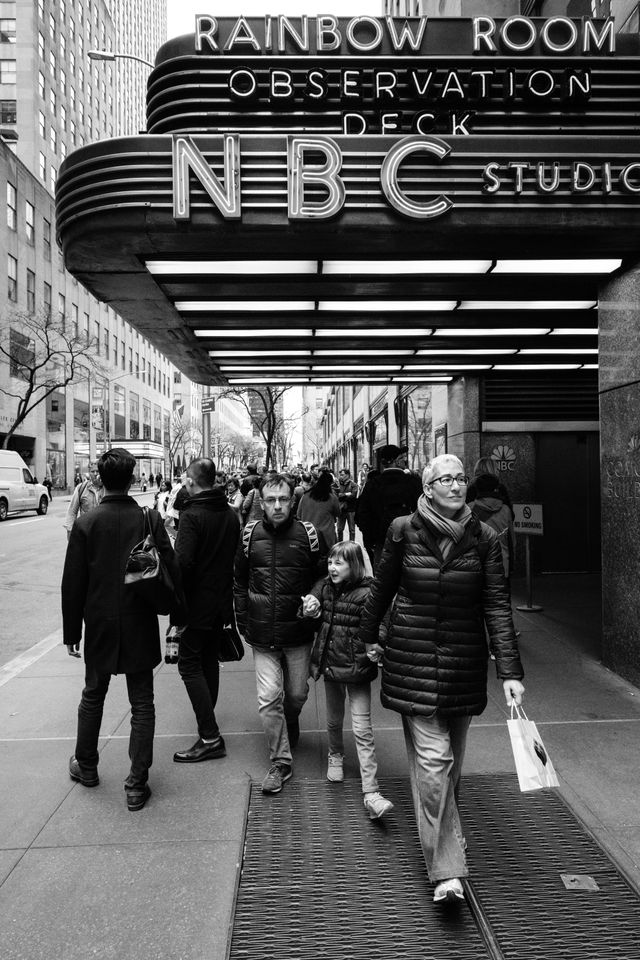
(82, 877)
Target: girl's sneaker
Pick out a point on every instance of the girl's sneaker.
(335, 771)
(376, 805)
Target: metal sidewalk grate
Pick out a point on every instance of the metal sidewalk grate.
(520, 845)
(320, 880)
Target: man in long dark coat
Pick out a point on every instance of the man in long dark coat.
(121, 633)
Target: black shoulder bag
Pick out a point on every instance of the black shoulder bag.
(146, 572)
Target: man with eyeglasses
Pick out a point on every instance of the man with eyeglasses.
(86, 497)
(442, 571)
(277, 563)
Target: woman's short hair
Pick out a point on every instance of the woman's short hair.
(352, 554)
(485, 465)
(429, 472)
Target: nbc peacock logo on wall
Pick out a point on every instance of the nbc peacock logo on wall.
(504, 457)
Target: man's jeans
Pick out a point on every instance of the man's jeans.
(360, 705)
(435, 749)
(200, 671)
(143, 718)
(350, 519)
(282, 681)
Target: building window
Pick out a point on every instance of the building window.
(7, 31)
(123, 355)
(53, 176)
(41, 50)
(41, 124)
(63, 45)
(105, 340)
(22, 354)
(72, 29)
(52, 101)
(42, 166)
(46, 299)
(138, 365)
(72, 62)
(63, 81)
(12, 277)
(85, 326)
(63, 117)
(75, 329)
(31, 291)
(96, 334)
(30, 221)
(130, 359)
(72, 131)
(46, 239)
(63, 151)
(12, 210)
(52, 26)
(62, 309)
(115, 349)
(41, 9)
(41, 87)
(53, 139)
(8, 112)
(52, 63)
(7, 71)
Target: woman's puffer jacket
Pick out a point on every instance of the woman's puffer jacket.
(338, 653)
(436, 652)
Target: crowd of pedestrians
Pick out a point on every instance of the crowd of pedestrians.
(266, 552)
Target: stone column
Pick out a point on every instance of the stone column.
(619, 388)
(463, 420)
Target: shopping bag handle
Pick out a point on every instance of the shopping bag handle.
(517, 713)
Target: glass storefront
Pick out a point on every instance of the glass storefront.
(146, 420)
(119, 412)
(419, 427)
(134, 416)
(81, 428)
(157, 424)
(56, 439)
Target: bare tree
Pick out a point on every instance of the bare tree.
(44, 354)
(186, 439)
(264, 406)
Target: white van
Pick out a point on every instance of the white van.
(18, 490)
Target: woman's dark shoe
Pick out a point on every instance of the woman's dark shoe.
(136, 799)
(202, 751)
(87, 776)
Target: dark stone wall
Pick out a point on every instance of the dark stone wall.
(619, 359)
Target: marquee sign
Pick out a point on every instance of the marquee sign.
(397, 76)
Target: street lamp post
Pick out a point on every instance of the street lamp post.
(108, 55)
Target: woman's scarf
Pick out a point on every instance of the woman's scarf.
(448, 531)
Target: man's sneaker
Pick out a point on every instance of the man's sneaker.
(335, 769)
(278, 774)
(449, 891)
(376, 805)
(87, 776)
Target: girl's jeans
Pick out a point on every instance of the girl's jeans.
(435, 749)
(360, 705)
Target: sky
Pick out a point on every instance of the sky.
(181, 14)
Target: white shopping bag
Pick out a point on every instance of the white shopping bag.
(533, 764)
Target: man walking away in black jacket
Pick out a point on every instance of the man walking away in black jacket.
(121, 632)
(392, 492)
(205, 547)
(278, 561)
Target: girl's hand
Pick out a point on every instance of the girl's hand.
(374, 652)
(310, 606)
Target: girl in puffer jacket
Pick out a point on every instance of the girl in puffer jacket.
(340, 657)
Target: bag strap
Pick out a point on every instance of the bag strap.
(246, 536)
(312, 534)
(147, 529)
(517, 713)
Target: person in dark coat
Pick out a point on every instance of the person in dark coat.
(391, 492)
(205, 550)
(121, 632)
(278, 561)
(441, 569)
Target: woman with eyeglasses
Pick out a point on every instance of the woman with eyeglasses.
(442, 572)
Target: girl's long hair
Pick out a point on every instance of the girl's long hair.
(321, 490)
(352, 554)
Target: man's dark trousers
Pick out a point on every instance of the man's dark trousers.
(199, 668)
(143, 721)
